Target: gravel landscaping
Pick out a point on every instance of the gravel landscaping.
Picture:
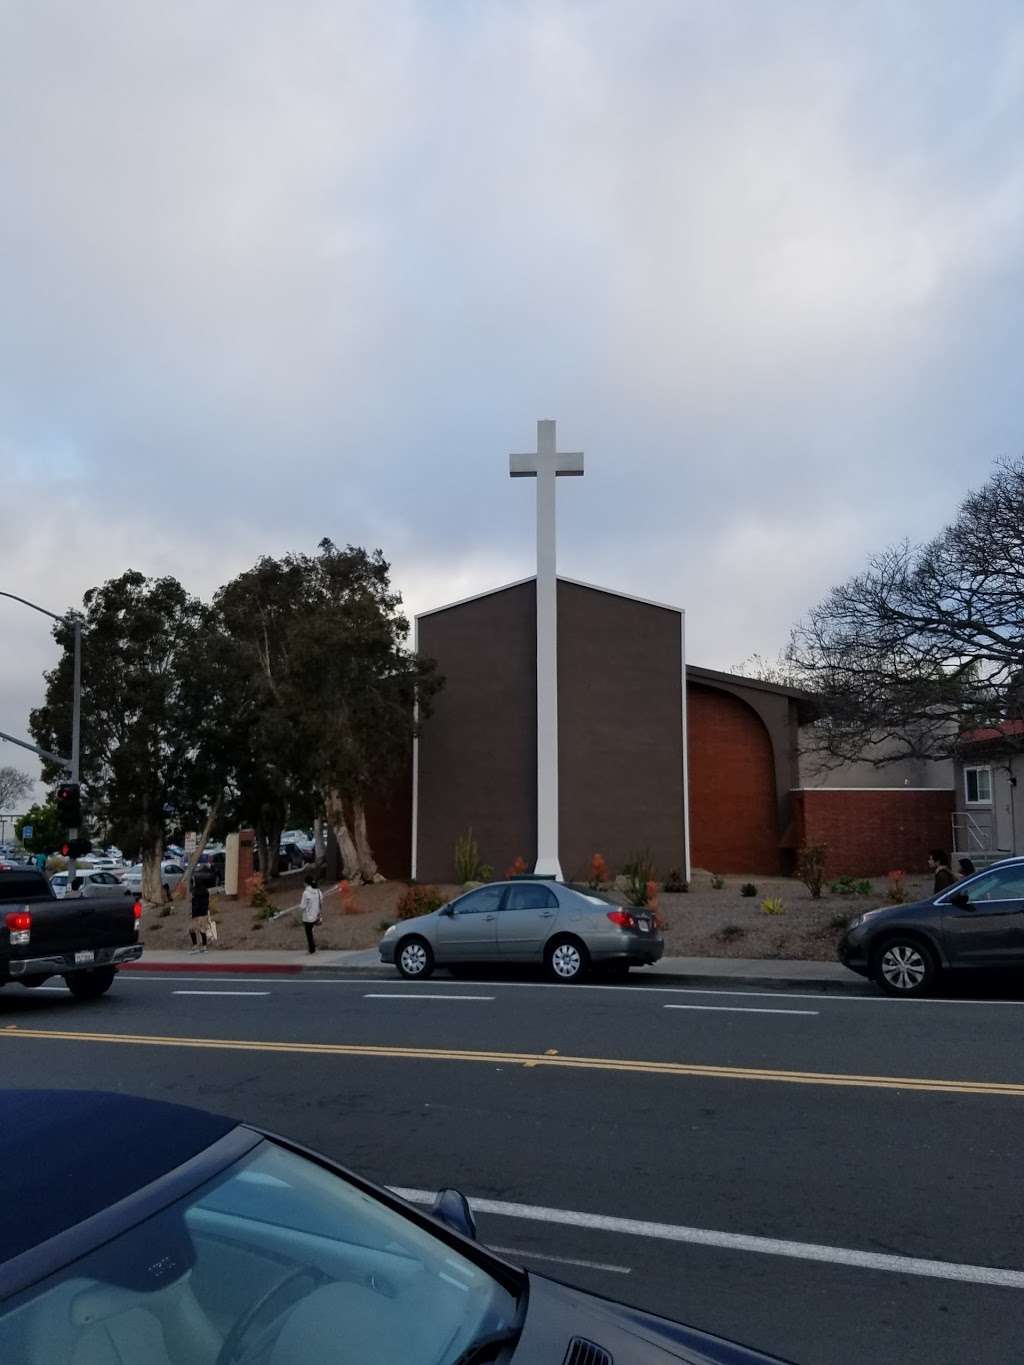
(703, 922)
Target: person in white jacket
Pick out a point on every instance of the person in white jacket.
(312, 910)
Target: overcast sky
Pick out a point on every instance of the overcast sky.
(276, 271)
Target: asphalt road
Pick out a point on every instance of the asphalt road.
(834, 1179)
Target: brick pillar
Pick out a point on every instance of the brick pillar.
(246, 841)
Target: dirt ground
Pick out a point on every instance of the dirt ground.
(701, 923)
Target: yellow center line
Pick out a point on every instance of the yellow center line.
(533, 1059)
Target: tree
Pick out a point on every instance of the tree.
(927, 642)
(149, 749)
(48, 832)
(322, 642)
(14, 787)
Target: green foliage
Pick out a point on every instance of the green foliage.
(773, 905)
(896, 892)
(164, 912)
(730, 932)
(639, 873)
(487, 873)
(418, 900)
(863, 888)
(675, 882)
(843, 886)
(717, 882)
(47, 831)
(748, 889)
(811, 867)
(384, 925)
(468, 867)
(839, 920)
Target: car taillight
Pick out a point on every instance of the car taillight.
(622, 918)
(19, 925)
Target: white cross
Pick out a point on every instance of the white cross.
(545, 465)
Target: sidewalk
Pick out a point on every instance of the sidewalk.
(768, 973)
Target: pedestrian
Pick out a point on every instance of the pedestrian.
(76, 888)
(966, 868)
(200, 912)
(41, 862)
(312, 910)
(938, 862)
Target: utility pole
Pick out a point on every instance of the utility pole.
(72, 763)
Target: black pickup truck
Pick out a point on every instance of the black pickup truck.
(82, 940)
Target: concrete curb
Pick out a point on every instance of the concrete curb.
(776, 982)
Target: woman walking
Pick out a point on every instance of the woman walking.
(200, 911)
(312, 910)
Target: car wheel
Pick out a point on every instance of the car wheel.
(414, 959)
(904, 966)
(566, 960)
(90, 985)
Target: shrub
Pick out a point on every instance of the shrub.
(863, 888)
(164, 911)
(516, 868)
(773, 905)
(639, 874)
(487, 873)
(257, 893)
(896, 892)
(729, 932)
(349, 904)
(468, 867)
(257, 924)
(839, 921)
(811, 867)
(675, 881)
(717, 882)
(599, 873)
(843, 886)
(418, 900)
(384, 925)
(748, 889)
(153, 928)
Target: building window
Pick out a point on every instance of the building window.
(978, 786)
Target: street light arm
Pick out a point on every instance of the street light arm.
(34, 749)
(26, 603)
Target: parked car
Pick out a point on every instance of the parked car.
(171, 873)
(525, 920)
(41, 936)
(292, 855)
(100, 864)
(93, 884)
(216, 1242)
(976, 924)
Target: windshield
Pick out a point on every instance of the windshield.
(276, 1262)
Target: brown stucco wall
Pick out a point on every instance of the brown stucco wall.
(620, 756)
(478, 754)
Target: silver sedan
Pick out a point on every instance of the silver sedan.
(525, 921)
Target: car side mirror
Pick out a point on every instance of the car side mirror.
(451, 1207)
(961, 900)
(448, 910)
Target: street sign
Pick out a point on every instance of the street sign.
(26, 831)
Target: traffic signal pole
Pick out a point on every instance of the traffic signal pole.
(76, 722)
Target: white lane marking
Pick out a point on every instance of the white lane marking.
(220, 992)
(734, 1241)
(823, 997)
(738, 1009)
(518, 1254)
(417, 995)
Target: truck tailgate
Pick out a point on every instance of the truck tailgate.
(69, 925)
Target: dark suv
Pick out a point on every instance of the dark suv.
(978, 923)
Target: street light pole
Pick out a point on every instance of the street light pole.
(76, 708)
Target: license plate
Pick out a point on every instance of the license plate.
(87, 956)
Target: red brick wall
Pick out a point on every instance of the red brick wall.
(733, 814)
(868, 833)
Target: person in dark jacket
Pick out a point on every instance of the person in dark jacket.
(200, 912)
(966, 867)
(938, 862)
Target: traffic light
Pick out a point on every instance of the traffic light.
(76, 848)
(69, 804)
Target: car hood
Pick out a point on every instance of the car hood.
(880, 913)
(557, 1314)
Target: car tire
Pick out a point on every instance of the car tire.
(90, 985)
(904, 966)
(566, 960)
(414, 959)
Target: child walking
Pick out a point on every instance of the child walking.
(312, 910)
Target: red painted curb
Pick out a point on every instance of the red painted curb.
(263, 968)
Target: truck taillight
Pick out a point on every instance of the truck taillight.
(19, 926)
(137, 909)
(622, 918)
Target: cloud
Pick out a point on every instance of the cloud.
(274, 272)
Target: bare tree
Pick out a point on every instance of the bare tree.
(928, 642)
(15, 786)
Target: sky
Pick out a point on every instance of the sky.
(277, 271)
